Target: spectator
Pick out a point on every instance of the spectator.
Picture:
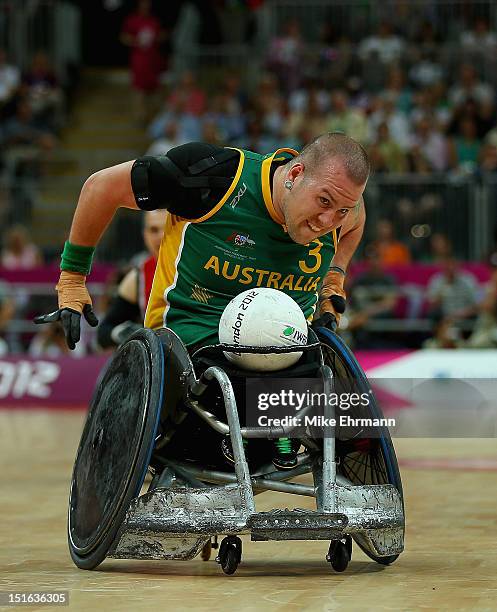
(480, 39)
(7, 310)
(384, 43)
(19, 252)
(481, 114)
(484, 334)
(491, 137)
(286, 56)
(397, 89)
(357, 95)
(25, 130)
(9, 80)
(426, 41)
(389, 250)
(464, 147)
(335, 53)
(231, 87)
(440, 248)
(50, 342)
(398, 123)
(491, 256)
(488, 157)
(311, 117)
(446, 335)
(169, 140)
(440, 103)
(373, 295)
(226, 113)
(427, 71)
(187, 95)
(211, 133)
(257, 139)
(452, 293)
(24, 144)
(44, 93)
(468, 86)
(349, 121)
(432, 103)
(487, 118)
(429, 143)
(189, 125)
(385, 154)
(125, 309)
(299, 98)
(142, 33)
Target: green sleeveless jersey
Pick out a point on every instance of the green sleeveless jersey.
(238, 245)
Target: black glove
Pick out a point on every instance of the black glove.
(71, 322)
(327, 319)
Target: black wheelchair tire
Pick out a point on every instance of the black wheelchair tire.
(130, 485)
(353, 368)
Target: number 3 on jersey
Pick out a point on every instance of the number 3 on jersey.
(315, 262)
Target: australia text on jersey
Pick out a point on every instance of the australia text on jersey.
(266, 278)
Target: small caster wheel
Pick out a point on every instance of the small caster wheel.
(206, 551)
(230, 554)
(340, 553)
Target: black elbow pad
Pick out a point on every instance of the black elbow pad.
(151, 183)
(184, 189)
(158, 182)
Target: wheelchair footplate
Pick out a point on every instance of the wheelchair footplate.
(176, 523)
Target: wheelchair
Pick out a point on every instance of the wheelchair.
(160, 410)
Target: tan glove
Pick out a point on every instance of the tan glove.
(74, 300)
(72, 291)
(332, 296)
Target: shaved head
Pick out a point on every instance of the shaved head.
(337, 146)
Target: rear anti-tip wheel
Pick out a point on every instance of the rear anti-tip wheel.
(206, 551)
(340, 553)
(230, 554)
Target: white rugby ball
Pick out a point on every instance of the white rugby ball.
(263, 317)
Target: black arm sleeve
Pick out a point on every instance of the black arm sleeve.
(120, 310)
(188, 181)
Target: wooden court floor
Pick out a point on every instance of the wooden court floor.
(450, 560)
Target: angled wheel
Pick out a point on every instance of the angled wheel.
(230, 554)
(115, 447)
(340, 553)
(361, 459)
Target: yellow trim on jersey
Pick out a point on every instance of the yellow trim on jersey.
(230, 190)
(335, 239)
(166, 270)
(266, 187)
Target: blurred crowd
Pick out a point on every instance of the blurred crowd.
(32, 110)
(415, 106)
(419, 92)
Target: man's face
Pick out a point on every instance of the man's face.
(153, 230)
(319, 201)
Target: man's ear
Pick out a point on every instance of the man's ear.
(296, 171)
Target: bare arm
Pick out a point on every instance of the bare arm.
(102, 194)
(350, 236)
